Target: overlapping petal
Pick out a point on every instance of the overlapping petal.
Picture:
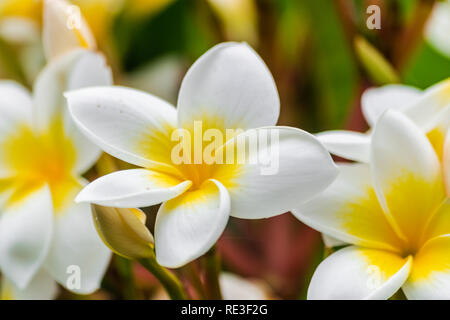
(77, 244)
(133, 188)
(64, 29)
(356, 273)
(228, 87)
(189, 225)
(407, 174)
(427, 109)
(131, 125)
(279, 168)
(74, 70)
(26, 228)
(348, 210)
(439, 223)
(430, 274)
(375, 101)
(347, 144)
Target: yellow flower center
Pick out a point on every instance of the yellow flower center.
(189, 153)
(34, 159)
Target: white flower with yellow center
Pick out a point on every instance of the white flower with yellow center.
(44, 235)
(430, 110)
(395, 214)
(229, 87)
(42, 157)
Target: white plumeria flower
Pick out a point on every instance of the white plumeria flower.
(42, 157)
(395, 214)
(430, 110)
(228, 87)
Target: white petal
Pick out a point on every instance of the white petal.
(88, 71)
(348, 210)
(76, 244)
(189, 225)
(355, 273)
(375, 101)
(427, 109)
(64, 29)
(133, 188)
(232, 87)
(77, 69)
(15, 106)
(25, 236)
(131, 125)
(287, 167)
(41, 287)
(407, 173)
(347, 144)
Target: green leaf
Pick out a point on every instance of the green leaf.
(427, 67)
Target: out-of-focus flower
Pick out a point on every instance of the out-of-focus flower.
(41, 287)
(161, 77)
(42, 230)
(438, 26)
(30, 9)
(239, 18)
(124, 231)
(394, 212)
(64, 29)
(229, 87)
(430, 110)
(42, 158)
(234, 287)
(98, 13)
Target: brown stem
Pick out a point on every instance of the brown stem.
(212, 271)
(411, 34)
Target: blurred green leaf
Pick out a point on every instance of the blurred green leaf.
(335, 72)
(427, 66)
(175, 29)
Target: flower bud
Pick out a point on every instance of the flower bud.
(123, 231)
(64, 29)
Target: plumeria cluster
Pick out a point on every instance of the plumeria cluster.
(390, 207)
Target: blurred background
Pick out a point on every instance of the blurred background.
(322, 55)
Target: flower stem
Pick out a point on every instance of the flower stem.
(194, 277)
(212, 270)
(125, 269)
(169, 281)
